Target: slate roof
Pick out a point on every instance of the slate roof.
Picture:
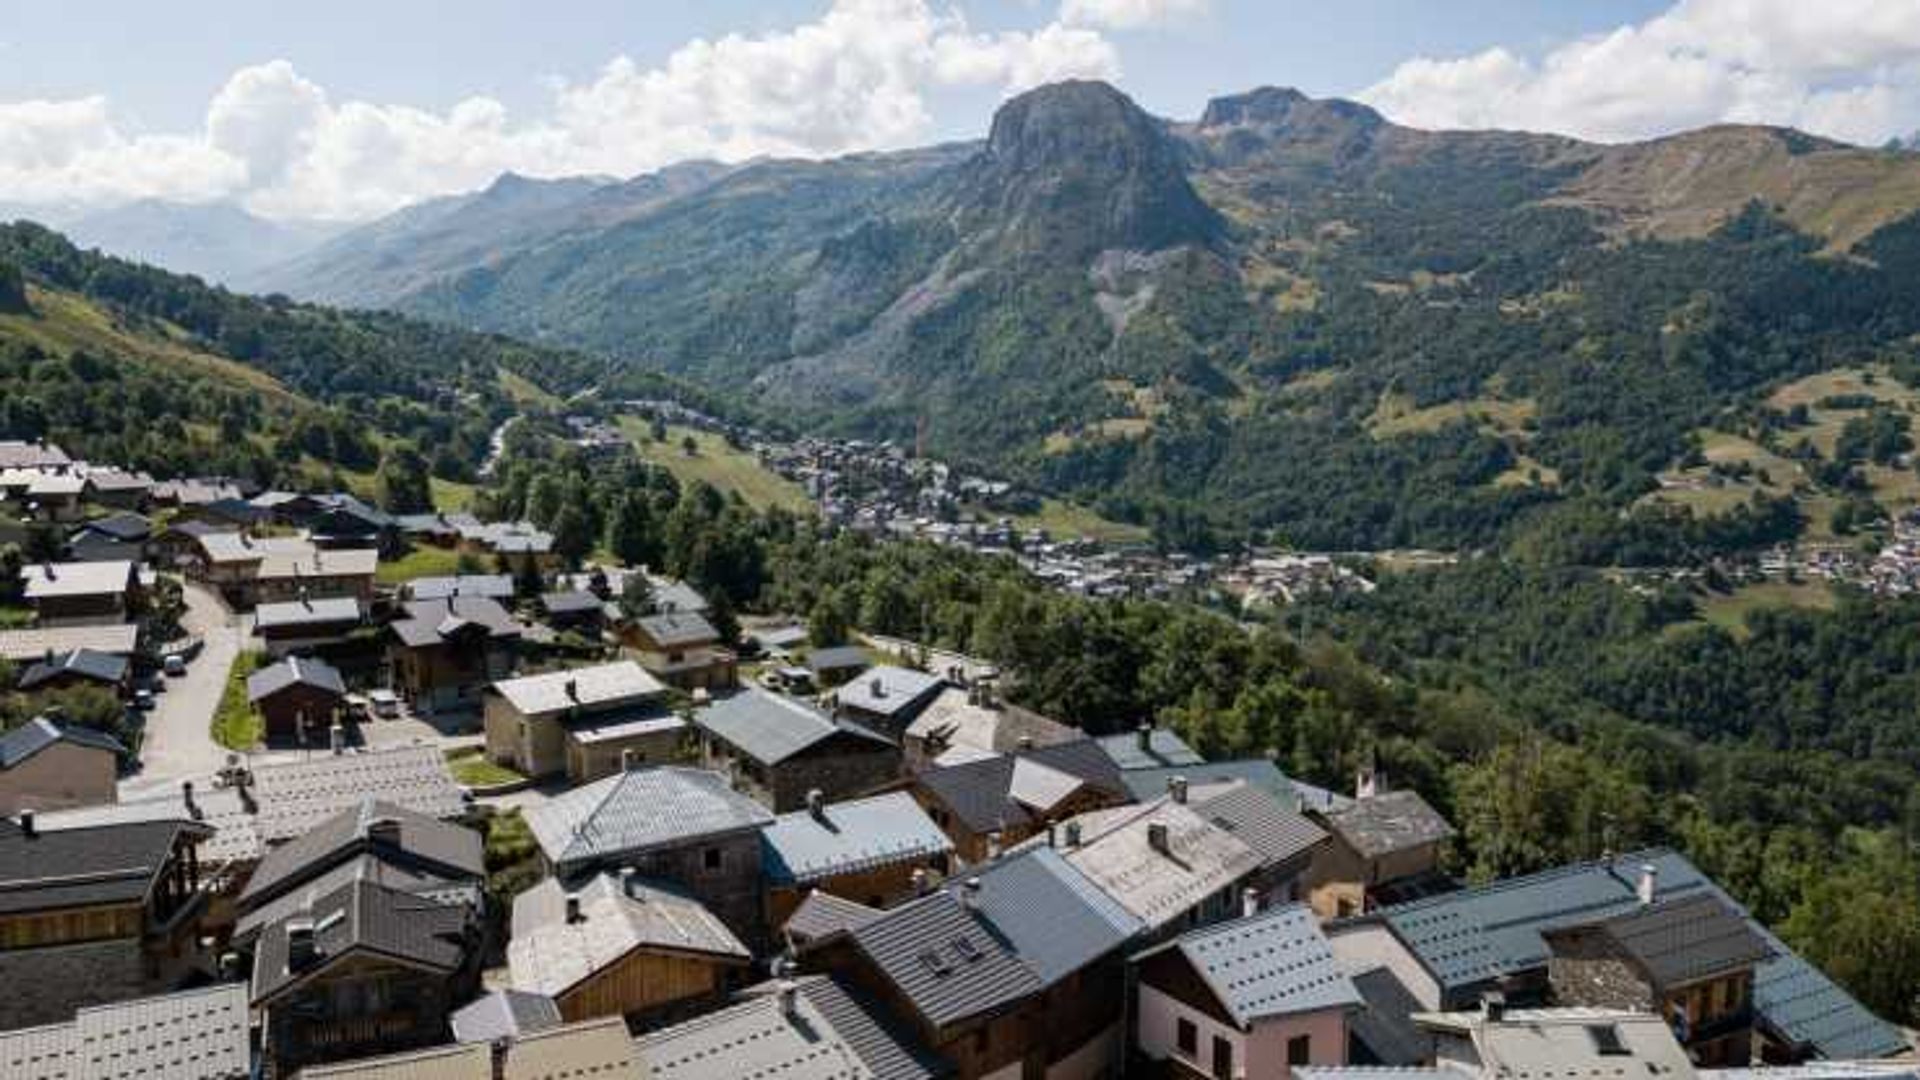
(849, 837)
(1470, 936)
(570, 603)
(1164, 749)
(1394, 821)
(838, 658)
(294, 795)
(834, 1033)
(1681, 940)
(770, 728)
(114, 864)
(295, 671)
(46, 581)
(80, 663)
(192, 1035)
(678, 629)
(1277, 831)
(599, 686)
(1384, 1023)
(979, 793)
(123, 526)
(21, 454)
(322, 563)
(220, 809)
(428, 622)
(431, 883)
(1055, 918)
(504, 1014)
(549, 955)
(454, 850)
(640, 810)
(365, 918)
(944, 962)
(35, 642)
(1274, 963)
(671, 595)
(1146, 784)
(39, 733)
(888, 691)
(1161, 886)
(294, 613)
(822, 914)
(487, 586)
(955, 722)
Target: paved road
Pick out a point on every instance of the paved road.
(179, 742)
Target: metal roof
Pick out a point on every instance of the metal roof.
(113, 864)
(848, 837)
(640, 810)
(328, 610)
(822, 914)
(438, 887)
(599, 1048)
(831, 1033)
(234, 838)
(193, 1035)
(1278, 832)
(671, 629)
(322, 563)
(944, 961)
(84, 663)
(889, 691)
(838, 658)
(770, 728)
(293, 796)
(371, 827)
(979, 793)
(599, 686)
(429, 621)
(1055, 919)
(295, 671)
(1261, 773)
(363, 917)
(39, 733)
(461, 1061)
(1164, 749)
(1275, 963)
(1681, 940)
(487, 586)
(504, 1014)
(51, 580)
(550, 955)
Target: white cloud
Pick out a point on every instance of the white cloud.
(1849, 69)
(855, 78)
(1129, 14)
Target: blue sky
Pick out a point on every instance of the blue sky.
(351, 108)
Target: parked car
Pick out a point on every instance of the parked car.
(384, 704)
(174, 665)
(143, 699)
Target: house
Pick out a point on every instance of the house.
(375, 842)
(81, 667)
(1262, 773)
(1385, 848)
(1688, 959)
(459, 1061)
(822, 915)
(82, 593)
(179, 544)
(991, 804)
(114, 538)
(35, 454)
(600, 1049)
(812, 1026)
(682, 649)
(620, 945)
(585, 723)
(293, 509)
(1496, 1042)
(305, 624)
(837, 664)
(197, 1034)
(778, 750)
(973, 718)
(1165, 864)
(119, 488)
(1445, 952)
(888, 698)
(1254, 998)
(289, 796)
(581, 612)
(504, 1015)
(95, 915)
(34, 643)
(363, 969)
(46, 766)
(473, 586)
(300, 700)
(1286, 840)
(53, 495)
(440, 530)
(1149, 748)
(291, 575)
(681, 826)
(874, 851)
(348, 523)
(1017, 970)
(445, 652)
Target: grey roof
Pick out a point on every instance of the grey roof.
(639, 810)
(487, 586)
(420, 880)
(1383, 824)
(504, 1014)
(50, 580)
(234, 838)
(1164, 748)
(123, 526)
(676, 629)
(671, 595)
(1056, 919)
(39, 733)
(1278, 832)
(890, 691)
(1468, 937)
(81, 663)
(382, 829)
(944, 962)
(1259, 772)
(770, 728)
(1160, 886)
(618, 914)
(295, 795)
(35, 642)
(822, 914)
(832, 1033)
(1681, 940)
(428, 622)
(1274, 963)
(192, 1035)
(849, 837)
(599, 686)
(295, 671)
(838, 658)
(951, 720)
(288, 613)
(22, 454)
(364, 918)
(570, 603)
(111, 864)
(980, 793)
(1384, 1023)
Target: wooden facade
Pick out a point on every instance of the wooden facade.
(651, 986)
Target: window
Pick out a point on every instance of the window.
(1222, 1059)
(710, 858)
(1300, 1050)
(1187, 1037)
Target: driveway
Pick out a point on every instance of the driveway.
(179, 741)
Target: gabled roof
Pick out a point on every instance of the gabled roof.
(321, 563)
(35, 642)
(640, 810)
(831, 1033)
(570, 603)
(293, 795)
(116, 864)
(1681, 940)
(601, 1049)
(455, 1061)
(430, 622)
(955, 721)
(47, 581)
(980, 793)
(1383, 824)
(382, 829)
(550, 955)
(487, 586)
(504, 1014)
(890, 691)
(430, 882)
(220, 809)
(123, 526)
(823, 914)
(1146, 784)
(323, 612)
(39, 733)
(1274, 963)
(1159, 886)
(770, 728)
(838, 658)
(1055, 918)
(101, 667)
(671, 595)
(848, 837)
(1278, 832)
(599, 686)
(944, 961)
(295, 671)
(21, 454)
(1164, 749)
(677, 629)
(192, 1035)
(365, 919)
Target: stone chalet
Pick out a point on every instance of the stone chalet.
(584, 723)
(779, 750)
(888, 698)
(82, 593)
(682, 649)
(1386, 847)
(875, 851)
(444, 653)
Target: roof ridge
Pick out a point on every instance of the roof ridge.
(1508, 884)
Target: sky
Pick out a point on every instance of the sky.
(353, 108)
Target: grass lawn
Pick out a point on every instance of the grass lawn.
(1067, 521)
(720, 465)
(471, 768)
(423, 561)
(524, 391)
(12, 618)
(235, 725)
(1396, 415)
(450, 496)
(1729, 611)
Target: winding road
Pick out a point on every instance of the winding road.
(179, 738)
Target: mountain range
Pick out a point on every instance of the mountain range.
(1287, 315)
(221, 242)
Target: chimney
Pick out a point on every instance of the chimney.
(1157, 837)
(628, 760)
(1249, 902)
(1073, 834)
(787, 993)
(878, 686)
(1026, 742)
(817, 804)
(574, 918)
(186, 797)
(970, 892)
(1648, 887)
(301, 948)
(337, 739)
(385, 832)
(993, 844)
(627, 876)
(1493, 1006)
(1144, 737)
(1366, 783)
(922, 881)
(1177, 787)
(26, 824)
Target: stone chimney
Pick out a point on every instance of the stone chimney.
(337, 739)
(1249, 902)
(1648, 886)
(1144, 738)
(628, 760)
(574, 917)
(817, 805)
(970, 892)
(1366, 783)
(1493, 1006)
(1177, 787)
(922, 881)
(787, 993)
(1073, 834)
(26, 825)
(1157, 837)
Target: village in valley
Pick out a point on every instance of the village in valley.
(309, 789)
